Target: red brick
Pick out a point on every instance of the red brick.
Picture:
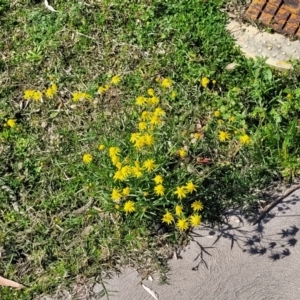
(280, 19)
(265, 18)
(292, 25)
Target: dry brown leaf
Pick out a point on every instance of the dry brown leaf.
(201, 160)
(7, 282)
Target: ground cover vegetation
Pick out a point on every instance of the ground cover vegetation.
(119, 122)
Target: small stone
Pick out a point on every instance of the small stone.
(289, 44)
(259, 50)
(283, 53)
(278, 46)
(274, 55)
(269, 48)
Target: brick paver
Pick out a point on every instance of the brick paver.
(281, 15)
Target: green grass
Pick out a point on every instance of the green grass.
(45, 242)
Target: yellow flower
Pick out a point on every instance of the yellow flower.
(204, 82)
(145, 194)
(214, 81)
(146, 115)
(195, 220)
(116, 195)
(232, 118)
(149, 139)
(182, 152)
(87, 158)
(37, 96)
(11, 123)
(288, 95)
(173, 95)
(159, 190)
(180, 192)
(158, 179)
(114, 151)
(114, 159)
(197, 135)
(217, 113)
(245, 139)
(167, 218)
(223, 136)
(166, 83)
(140, 100)
(197, 205)
(155, 120)
(149, 165)
(117, 206)
(159, 112)
(126, 191)
(115, 79)
(137, 171)
(153, 100)
(150, 92)
(134, 137)
(142, 126)
(80, 96)
(101, 147)
(140, 142)
(118, 164)
(129, 206)
(182, 224)
(178, 209)
(28, 94)
(118, 176)
(103, 89)
(190, 187)
(125, 171)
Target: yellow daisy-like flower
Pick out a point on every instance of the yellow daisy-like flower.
(245, 139)
(204, 82)
(118, 164)
(178, 210)
(182, 152)
(140, 100)
(114, 151)
(195, 220)
(190, 187)
(142, 126)
(149, 139)
(232, 119)
(182, 224)
(214, 81)
(11, 123)
(173, 95)
(180, 192)
(146, 115)
(119, 176)
(217, 113)
(126, 191)
(129, 206)
(81, 96)
(117, 206)
(150, 92)
(49, 93)
(87, 158)
(158, 179)
(166, 83)
(197, 205)
(153, 100)
(116, 195)
(101, 147)
(115, 160)
(197, 135)
(115, 79)
(159, 190)
(145, 194)
(167, 218)
(28, 94)
(149, 165)
(137, 171)
(159, 112)
(126, 171)
(155, 120)
(223, 136)
(134, 137)
(37, 96)
(103, 89)
(140, 142)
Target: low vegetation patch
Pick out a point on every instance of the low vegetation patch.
(122, 130)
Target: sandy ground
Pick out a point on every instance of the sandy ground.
(240, 262)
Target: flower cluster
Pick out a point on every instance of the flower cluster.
(36, 95)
